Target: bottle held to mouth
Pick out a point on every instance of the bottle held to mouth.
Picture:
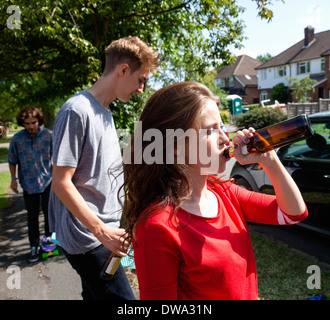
(278, 135)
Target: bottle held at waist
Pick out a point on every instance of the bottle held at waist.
(110, 266)
(278, 135)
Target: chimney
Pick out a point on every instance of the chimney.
(309, 35)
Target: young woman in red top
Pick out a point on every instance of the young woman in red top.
(188, 228)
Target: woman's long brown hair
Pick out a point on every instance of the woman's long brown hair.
(177, 106)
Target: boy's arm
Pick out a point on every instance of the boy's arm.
(13, 184)
(66, 191)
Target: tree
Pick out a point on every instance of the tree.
(264, 57)
(59, 47)
(280, 93)
(302, 89)
(209, 81)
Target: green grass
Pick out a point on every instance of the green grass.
(282, 272)
(3, 155)
(4, 185)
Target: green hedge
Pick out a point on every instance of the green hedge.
(259, 118)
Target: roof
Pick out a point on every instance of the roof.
(243, 68)
(318, 47)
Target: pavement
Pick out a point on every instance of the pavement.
(50, 279)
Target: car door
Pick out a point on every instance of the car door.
(308, 162)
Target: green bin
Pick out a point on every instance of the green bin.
(235, 104)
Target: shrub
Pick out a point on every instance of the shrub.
(224, 114)
(259, 118)
(280, 93)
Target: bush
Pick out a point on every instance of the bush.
(224, 114)
(259, 118)
(280, 93)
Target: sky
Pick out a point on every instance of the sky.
(285, 29)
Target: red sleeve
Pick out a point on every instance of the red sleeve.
(259, 207)
(157, 260)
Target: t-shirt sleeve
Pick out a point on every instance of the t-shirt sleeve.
(68, 139)
(263, 208)
(157, 262)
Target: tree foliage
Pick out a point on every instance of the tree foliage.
(59, 47)
(264, 57)
(302, 89)
(280, 93)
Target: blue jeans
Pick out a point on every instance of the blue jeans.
(89, 266)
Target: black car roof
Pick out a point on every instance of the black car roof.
(323, 114)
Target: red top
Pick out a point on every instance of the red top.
(200, 258)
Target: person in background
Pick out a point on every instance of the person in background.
(31, 151)
(84, 209)
(2, 130)
(188, 226)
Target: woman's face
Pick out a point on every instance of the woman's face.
(211, 141)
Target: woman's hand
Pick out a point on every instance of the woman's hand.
(240, 141)
(288, 195)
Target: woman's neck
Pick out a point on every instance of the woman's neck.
(202, 201)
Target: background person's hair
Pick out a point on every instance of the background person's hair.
(177, 106)
(130, 50)
(29, 112)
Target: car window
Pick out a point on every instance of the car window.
(316, 148)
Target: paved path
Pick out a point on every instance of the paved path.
(52, 279)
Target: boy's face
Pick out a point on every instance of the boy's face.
(31, 125)
(132, 83)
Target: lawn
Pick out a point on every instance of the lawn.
(4, 185)
(282, 272)
(3, 155)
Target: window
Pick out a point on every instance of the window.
(322, 64)
(280, 72)
(263, 95)
(303, 67)
(231, 82)
(316, 148)
(221, 83)
(263, 74)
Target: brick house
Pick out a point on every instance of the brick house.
(309, 57)
(240, 78)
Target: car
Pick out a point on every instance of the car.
(308, 162)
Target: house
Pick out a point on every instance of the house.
(240, 78)
(309, 57)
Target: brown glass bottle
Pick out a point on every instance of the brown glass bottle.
(110, 266)
(278, 135)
